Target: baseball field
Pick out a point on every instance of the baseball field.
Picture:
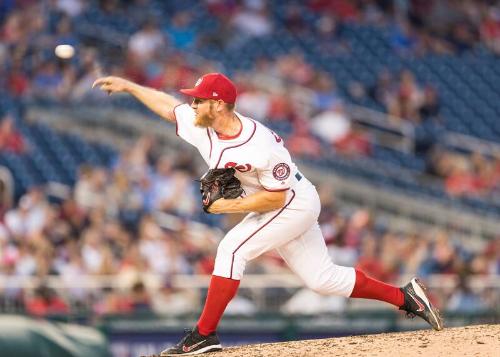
(480, 340)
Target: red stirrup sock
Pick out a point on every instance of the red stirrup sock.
(368, 288)
(220, 293)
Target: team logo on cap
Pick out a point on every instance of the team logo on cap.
(281, 171)
(198, 82)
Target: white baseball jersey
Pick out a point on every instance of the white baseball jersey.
(257, 153)
(263, 163)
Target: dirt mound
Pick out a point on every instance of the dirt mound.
(481, 340)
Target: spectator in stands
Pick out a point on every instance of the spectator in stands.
(496, 174)
(172, 301)
(13, 31)
(142, 155)
(47, 81)
(181, 184)
(28, 219)
(71, 268)
(356, 143)
(6, 7)
(325, 94)
(181, 33)
(293, 68)
(64, 33)
(55, 230)
(18, 82)
(108, 264)
(403, 38)
(490, 29)
(372, 259)
(254, 102)
(413, 250)
(90, 188)
(409, 97)
(328, 30)
(132, 266)
(176, 73)
(443, 258)
(6, 197)
(128, 198)
(92, 250)
(492, 256)
(73, 215)
(113, 302)
(72, 8)
(462, 37)
(10, 139)
(293, 20)
(158, 250)
(281, 109)
(24, 257)
(483, 171)
(220, 8)
(384, 90)
(85, 75)
(332, 125)
(46, 302)
(147, 42)
(252, 20)
(460, 180)
(343, 9)
(359, 224)
(140, 298)
(161, 192)
(463, 299)
(302, 143)
(431, 106)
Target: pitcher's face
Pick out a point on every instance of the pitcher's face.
(205, 112)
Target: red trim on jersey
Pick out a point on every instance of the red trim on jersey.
(255, 232)
(175, 118)
(276, 189)
(235, 146)
(209, 138)
(230, 137)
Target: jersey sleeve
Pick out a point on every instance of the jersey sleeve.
(185, 128)
(276, 175)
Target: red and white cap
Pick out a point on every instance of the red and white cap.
(213, 86)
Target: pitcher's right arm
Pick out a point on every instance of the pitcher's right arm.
(159, 102)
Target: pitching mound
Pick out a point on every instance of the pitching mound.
(481, 340)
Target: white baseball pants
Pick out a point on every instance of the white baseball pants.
(294, 232)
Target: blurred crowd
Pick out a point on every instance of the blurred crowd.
(108, 225)
(401, 96)
(152, 45)
(472, 175)
(359, 239)
(134, 39)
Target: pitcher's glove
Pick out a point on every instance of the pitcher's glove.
(219, 183)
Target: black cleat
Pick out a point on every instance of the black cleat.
(194, 344)
(417, 304)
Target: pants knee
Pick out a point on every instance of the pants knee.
(228, 262)
(320, 286)
(337, 280)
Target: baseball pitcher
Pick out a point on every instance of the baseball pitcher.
(251, 171)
